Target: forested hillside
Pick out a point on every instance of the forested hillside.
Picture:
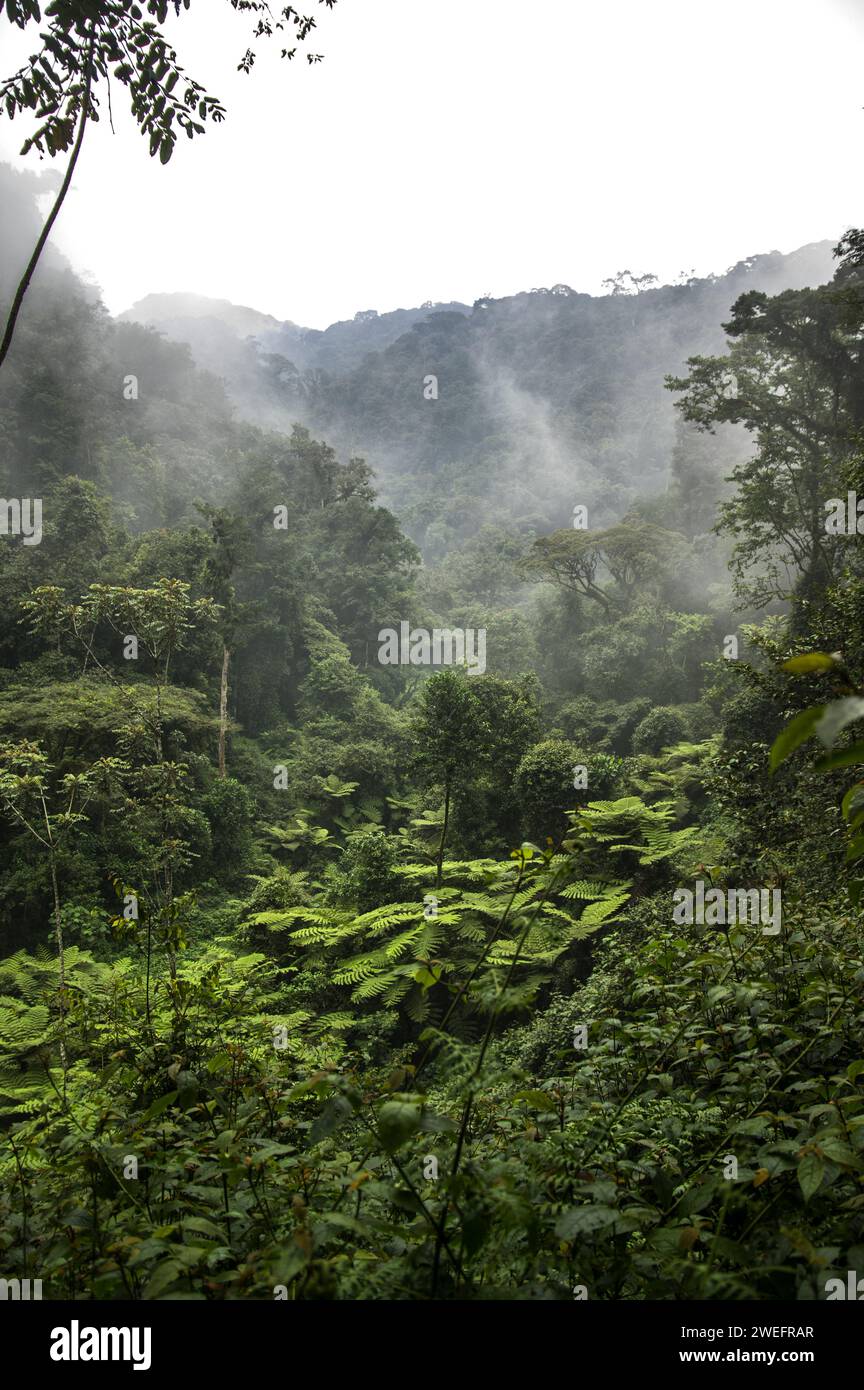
(332, 976)
(508, 411)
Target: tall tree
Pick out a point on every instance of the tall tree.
(633, 553)
(89, 41)
(447, 729)
(794, 377)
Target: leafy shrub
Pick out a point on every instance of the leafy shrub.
(229, 808)
(366, 876)
(544, 786)
(661, 728)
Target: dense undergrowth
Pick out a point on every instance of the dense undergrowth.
(327, 979)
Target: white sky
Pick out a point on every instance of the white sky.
(449, 149)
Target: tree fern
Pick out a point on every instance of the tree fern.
(527, 910)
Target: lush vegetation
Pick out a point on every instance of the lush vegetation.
(327, 979)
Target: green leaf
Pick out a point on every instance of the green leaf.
(475, 1231)
(809, 662)
(797, 731)
(855, 849)
(580, 1221)
(291, 1260)
(838, 1151)
(345, 1222)
(853, 801)
(159, 1106)
(397, 1121)
(335, 1113)
(319, 1082)
(845, 757)
(536, 1100)
(165, 1274)
(811, 1171)
(437, 1124)
(426, 978)
(837, 715)
(203, 1227)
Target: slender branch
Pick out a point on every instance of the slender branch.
(466, 984)
(469, 1101)
(58, 203)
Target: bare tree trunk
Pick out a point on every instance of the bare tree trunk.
(58, 933)
(52, 216)
(223, 709)
(440, 858)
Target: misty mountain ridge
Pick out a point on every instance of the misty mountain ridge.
(194, 319)
(180, 308)
(183, 316)
(509, 411)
